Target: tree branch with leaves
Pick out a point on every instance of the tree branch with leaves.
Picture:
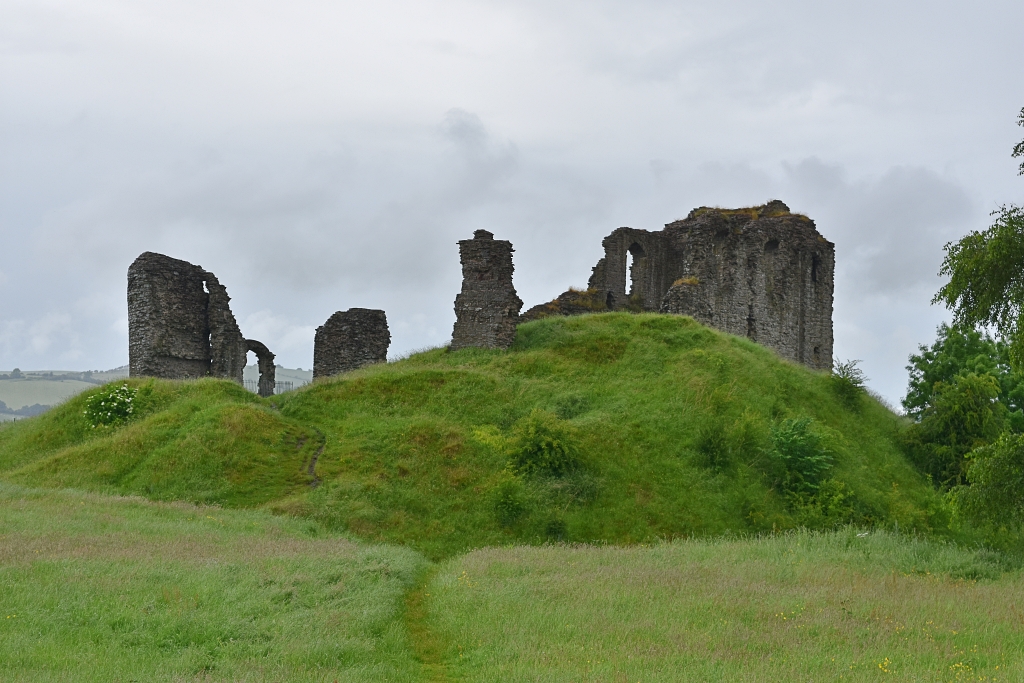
(1018, 149)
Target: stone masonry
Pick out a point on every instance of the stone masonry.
(487, 309)
(180, 325)
(349, 340)
(265, 363)
(762, 272)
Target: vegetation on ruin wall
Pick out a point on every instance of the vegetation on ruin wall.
(664, 428)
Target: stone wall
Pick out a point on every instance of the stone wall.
(349, 340)
(180, 325)
(487, 309)
(761, 272)
(265, 363)
(767, 275)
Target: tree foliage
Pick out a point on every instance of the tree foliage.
(996, 476)
(964, 414)
(959, 352)
(1018, 149)
(986, 279)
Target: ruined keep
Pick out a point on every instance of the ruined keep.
(181, 327)
(762, 272)
(349, 340)
(487, 309)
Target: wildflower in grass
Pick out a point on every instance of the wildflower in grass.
(113, 405)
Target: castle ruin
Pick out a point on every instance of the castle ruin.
(349, 340)
(487, 308)
(763, 273)
(181, 327)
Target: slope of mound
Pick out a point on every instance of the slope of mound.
(613, 427)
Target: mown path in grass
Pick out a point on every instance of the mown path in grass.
(426, 642)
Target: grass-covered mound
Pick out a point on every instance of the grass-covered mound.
(614, 427)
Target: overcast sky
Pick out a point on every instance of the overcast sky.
(322, 155)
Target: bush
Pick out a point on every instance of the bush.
(110, 406)
(509, 499)
(848, 382)
(543, 444)
(802, 453)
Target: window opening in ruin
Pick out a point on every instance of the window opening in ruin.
(251, 373)
(633, 255)
(772, 245)
(814, 268)
(629, 273)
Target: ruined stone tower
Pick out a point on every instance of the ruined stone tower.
(487, 309)
(349, 340)
(763, 273)
(181, 327)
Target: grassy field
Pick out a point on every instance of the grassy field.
(796, 607)
(671, 424)
(94, 588)
(36, 387)
(17, 393)
(97, 588)
(400, 524)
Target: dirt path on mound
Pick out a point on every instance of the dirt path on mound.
(427, 645)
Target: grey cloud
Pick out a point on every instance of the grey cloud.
(331, 156)
(891, 229)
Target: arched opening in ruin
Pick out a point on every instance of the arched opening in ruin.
(815, 262)
(772, 245)
(265, 363)
(635, 261)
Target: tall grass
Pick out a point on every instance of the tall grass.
(795, 607)
(101, 589)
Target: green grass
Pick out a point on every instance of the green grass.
(104, 589)
(664, 433)
(794, 607)
(671, 421)
(99, 588)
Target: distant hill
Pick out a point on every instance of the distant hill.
(667, 429)
(33, 392)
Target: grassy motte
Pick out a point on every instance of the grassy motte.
(598, 428)
(795, 607)
(94, 588)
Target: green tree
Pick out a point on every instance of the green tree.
(986, 275)
(996, 477)
(957, 352)
(964, 414)
(986, 280)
